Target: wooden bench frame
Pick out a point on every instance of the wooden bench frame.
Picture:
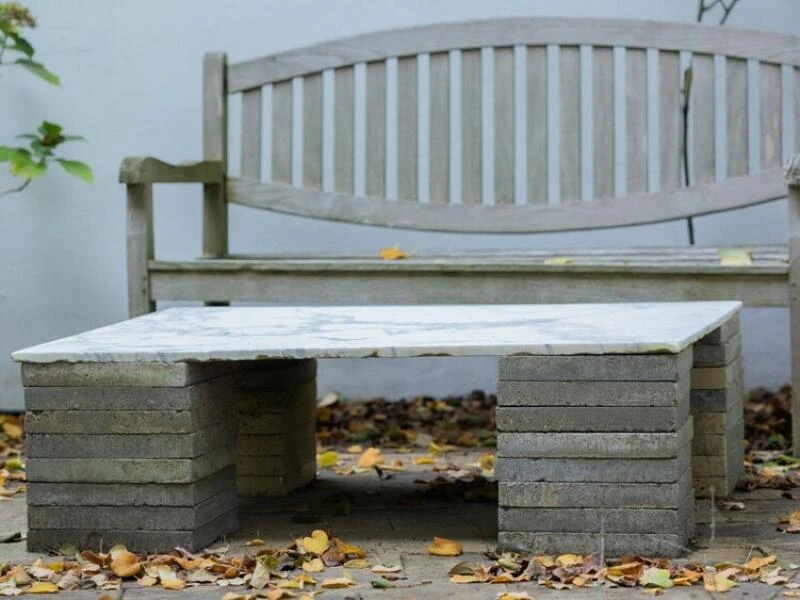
(443, 174)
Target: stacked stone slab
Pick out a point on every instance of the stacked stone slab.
(277, 421)
(592, 444)
(718, 411)
(141, 454)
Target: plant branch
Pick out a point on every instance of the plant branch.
(727, 8)
(17, 189)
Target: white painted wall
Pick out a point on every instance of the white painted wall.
(131, 85)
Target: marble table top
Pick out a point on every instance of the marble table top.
(242, 333)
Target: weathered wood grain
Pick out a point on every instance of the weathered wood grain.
(770, 115)
(407, 128)
(737, 107)
(703, 100)
(536, 117)
(312, 132)
(603, 121)
(570, 123)
(636, 126)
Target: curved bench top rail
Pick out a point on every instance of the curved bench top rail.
(725, 195)
(533, 31)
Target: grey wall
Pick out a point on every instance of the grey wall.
(131, 85)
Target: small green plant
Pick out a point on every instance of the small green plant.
(29, 162)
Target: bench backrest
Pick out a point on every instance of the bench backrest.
(511, 125)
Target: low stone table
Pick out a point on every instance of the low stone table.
(144, 432)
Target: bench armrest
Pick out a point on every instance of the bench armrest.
(145, 169)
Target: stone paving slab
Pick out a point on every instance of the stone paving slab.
(132, 494)
(188, 445)
(717, 378)
(590, 393)
(717, 355)
(584, 495)
(591, 419)
(595, 445)
(665, 545)
(273, 444)
(276, 485)
(723, 333)
(134, 518)
(639, 367)
(593, 470)
(716, 444)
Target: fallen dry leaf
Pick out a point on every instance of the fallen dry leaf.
(339, 582)
(42, 587)
(349, 550)
(318, 543)
(392, 253)
(328, 459)
(314, 565)
(12, 430)
(125, 564)
(255, 542)
(370, 458)
(445, 547)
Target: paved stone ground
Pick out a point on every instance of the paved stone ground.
(394, 521)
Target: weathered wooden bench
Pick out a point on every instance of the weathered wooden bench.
(614, 411)
(521, 125)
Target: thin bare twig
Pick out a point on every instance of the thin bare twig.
(17, 189)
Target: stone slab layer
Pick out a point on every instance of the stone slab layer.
(712, 444)
(597, 495)
(131, 494)
(274, 444)
(717, 355)
(722, 486)
(278, 402)
(722, 423)
(278, 485)
(591, 393)
(595, 445)
(205, 334)
(616, 544)
(575, 419)
(187, 445)
(120, 470)
(592, 520)
(721, 334)
(88, 373)
(717, 378)
(276, 375)
(133, 518)
(720, 400)
(137, 541)
(609, 367)
(303, 453)
(593, 470)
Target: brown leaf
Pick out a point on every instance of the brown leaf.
(570, 560)
(147, 581)
(125, 564)
(349, 550)
(13, 431)
(370, 458)
(445, 547)
(173, 584)
(757, 562)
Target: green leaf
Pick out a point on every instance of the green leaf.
(22, 165)
(382, 583)
(6, 153)
(78, 169)
(656, 578)
(51, 130)
(39, 70)
(22, 45)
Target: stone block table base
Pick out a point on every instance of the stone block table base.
(147, 432)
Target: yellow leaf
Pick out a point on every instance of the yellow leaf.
(173, 584)
(392, 253)
(514, 596)
(14, 464)
(385, 569)
(12, 430)
(314, 565)
(445, 547)
(355, 449)
(370, 458)
(487, 461)
(42, 587)
(792, 594)
(303, 578)
(256, 542)
(757, 562)
(147, 581)
(732, 257)
(277, 594)
(465, 579)
(349, 550)
(339, 582)
(125, 564)
(357, 563)
(426, 459)
(290, 584)
(559, 260)
(328, 459)
(547, 562)
(570, 560)
(717, 582)
(317, 543)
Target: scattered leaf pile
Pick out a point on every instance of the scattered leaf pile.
(570, 571)
(462, 421)
(12, 467)
(768, 419)
(273, 573)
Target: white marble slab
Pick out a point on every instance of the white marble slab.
(241, 333)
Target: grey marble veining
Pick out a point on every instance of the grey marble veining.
(241, 333)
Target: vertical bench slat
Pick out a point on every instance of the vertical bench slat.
(536, 114)
(471, 120)
(215, 147)
(344, 124)
(251, 133)
(282, 132)
(603, 121)
(636, 125)
(440, 128)
(407, 129)
(703, 120)
(771, 117)
(312, 132)
(570, 85)
(737, 116)
(504, 126)
(670, 116)
(796, 80)
(376, 129)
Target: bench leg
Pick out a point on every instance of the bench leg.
(135, 454)
(595, 443)
(718, 410)
(277, 427)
